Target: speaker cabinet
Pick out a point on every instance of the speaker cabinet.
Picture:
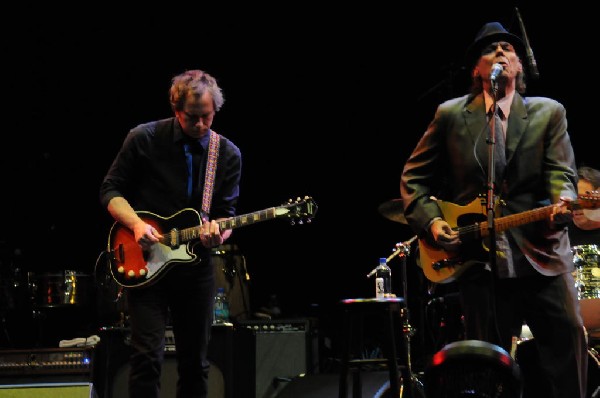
(48, 390)
(326, 385)
(168, 380)
(113, 364)
(268, 355)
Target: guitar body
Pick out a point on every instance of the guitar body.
(441, 266)
(470, 221)
(130, 266)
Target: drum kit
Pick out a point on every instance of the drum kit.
(59, 289)
(36, 306)
(587, 281)
(42, 302)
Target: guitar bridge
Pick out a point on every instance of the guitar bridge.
(446, 263)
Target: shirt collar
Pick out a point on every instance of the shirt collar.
(504, 103)
(179, 135)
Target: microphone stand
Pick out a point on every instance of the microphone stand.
(490, 200)
(402, 250)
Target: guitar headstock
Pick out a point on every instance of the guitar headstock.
(300, 210)
(588, 200)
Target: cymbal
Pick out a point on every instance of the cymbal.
(393, 210)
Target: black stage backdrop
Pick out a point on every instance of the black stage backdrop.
(323, 101)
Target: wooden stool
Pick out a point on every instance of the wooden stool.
(388, 308)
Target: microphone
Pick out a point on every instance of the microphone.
(496, 71)
(533, 69)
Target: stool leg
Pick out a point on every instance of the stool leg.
(345, 360)
(356, 383)
(411, 384)
(391, 354)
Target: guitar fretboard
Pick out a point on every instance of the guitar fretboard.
(247, 219)
(514, 220)
(174, 238)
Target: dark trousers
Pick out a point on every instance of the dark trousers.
(185, 296)
(549, 306)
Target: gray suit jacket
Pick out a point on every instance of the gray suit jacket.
(450, 162)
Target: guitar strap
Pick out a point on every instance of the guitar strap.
(211, 167)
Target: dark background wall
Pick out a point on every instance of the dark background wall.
(323, 101)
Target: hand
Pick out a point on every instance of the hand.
(561, 214)
(146, 235)
(444, 235)
(210, 234)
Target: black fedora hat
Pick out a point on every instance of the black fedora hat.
(488, 34)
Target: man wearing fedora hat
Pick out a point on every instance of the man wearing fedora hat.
(534, 166)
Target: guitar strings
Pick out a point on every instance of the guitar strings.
(533, 215)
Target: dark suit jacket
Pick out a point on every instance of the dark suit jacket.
(451, 161)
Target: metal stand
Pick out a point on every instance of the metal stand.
(402, 250)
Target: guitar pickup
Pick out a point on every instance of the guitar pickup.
(121, 254)
(173, 238)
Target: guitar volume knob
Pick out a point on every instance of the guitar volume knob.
(143, 271)
(121, 270)
(131, 273)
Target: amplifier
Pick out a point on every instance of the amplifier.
(46, 364)
(112, 363)
(269, 353)
(274, 326)
(48, 390)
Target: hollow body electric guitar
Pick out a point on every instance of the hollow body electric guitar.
(130, 266)
(441, 266)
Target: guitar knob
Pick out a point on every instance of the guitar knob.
(131, 273)
(143, 271)
(121, 270)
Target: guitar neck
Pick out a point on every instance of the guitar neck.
(515, 220)
(250, 218)
(192, 233)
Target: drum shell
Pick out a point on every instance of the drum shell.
(586, 259)
(61, 289)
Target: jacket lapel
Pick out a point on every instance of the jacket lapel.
(476, 122)
(518, 122)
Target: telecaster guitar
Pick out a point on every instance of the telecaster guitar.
(130, 266)
(442, 266)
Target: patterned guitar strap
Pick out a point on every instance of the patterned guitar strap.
(211, 167)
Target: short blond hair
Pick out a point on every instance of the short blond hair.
(195, 82)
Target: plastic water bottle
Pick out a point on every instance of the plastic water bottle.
(221, 310)
(383, 279)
